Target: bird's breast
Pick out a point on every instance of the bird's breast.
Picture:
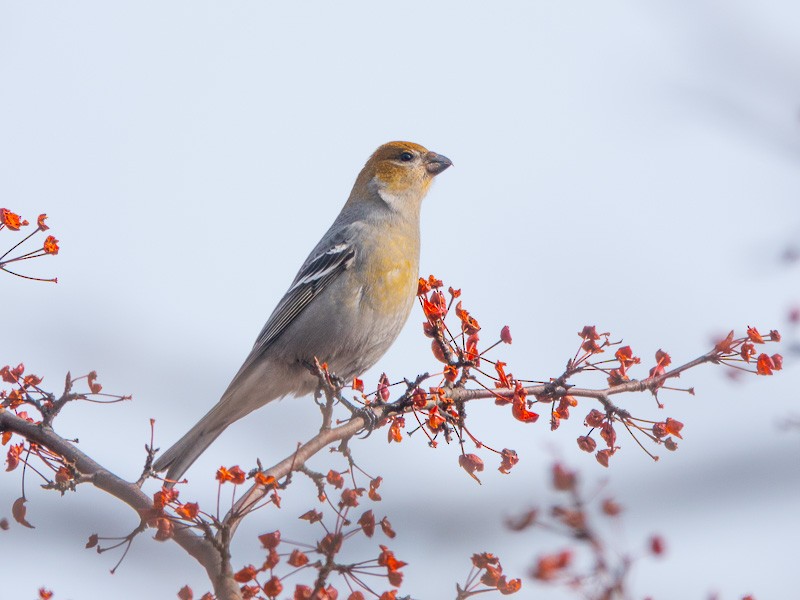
(391, 277)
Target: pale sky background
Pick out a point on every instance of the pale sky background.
(626, 164)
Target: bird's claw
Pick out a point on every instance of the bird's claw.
(366, 413)
(370, 421)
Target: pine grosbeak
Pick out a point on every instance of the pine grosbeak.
(346, 305)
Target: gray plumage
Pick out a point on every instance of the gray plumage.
(346, 306)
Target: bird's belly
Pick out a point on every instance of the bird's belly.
(374, 299)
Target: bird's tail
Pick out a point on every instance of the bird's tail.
(252, 387)
(177, 460)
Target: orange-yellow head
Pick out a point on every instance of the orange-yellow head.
(399, 174)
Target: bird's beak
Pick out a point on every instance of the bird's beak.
(436, 163)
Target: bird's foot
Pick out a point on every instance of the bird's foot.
(366, 413)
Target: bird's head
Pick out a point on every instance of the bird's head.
(399, 173)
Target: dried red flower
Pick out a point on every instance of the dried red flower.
(188, 511)
(395, 433)
(273, 587)
(50, 245)
(435, 420)
(386, 527)
(350, 496)
(245, 574)
(657, 545)
(270, 540)
(312, 516)
(11, 220)
(626, 358)
(91, 379)
(754, 336)
(563, 479)
(673, 427)
(765, 365)
(611, 508)
(185, 593)
(586, 443)
(471, 463)
(335, 479)
(595, 418)
(550, 566)
(509, 459)
(383, 388)
(374, 484)
(367, 523)
(725, 345)
(330, 544)
(602, 456)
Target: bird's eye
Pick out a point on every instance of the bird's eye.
(406, 156)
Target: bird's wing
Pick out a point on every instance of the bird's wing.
(327, 262)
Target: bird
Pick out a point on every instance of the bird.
(346, 305)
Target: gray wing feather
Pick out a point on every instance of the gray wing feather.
(314, 277)
(325, 264)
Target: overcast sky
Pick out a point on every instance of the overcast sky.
(625, 164)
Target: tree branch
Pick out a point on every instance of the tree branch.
(212, 553)
(306, 451)
(558, 390)
(293, 462)
(218, 569)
